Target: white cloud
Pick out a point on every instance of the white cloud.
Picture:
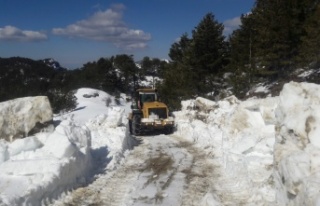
(107, 26)
(230, 25)
(11, 33)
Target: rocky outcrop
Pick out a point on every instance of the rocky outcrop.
(24, 116)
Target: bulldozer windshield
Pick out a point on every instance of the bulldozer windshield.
(146, 97)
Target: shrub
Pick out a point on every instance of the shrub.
(62, 102)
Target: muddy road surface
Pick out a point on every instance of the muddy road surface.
(162, 170)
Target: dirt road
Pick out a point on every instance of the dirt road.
(162, 170)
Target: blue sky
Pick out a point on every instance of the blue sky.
(74, 32)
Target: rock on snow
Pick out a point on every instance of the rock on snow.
(19, 116)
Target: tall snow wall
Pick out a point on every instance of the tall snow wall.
(297, 147)
(268, 150)
(239, 138)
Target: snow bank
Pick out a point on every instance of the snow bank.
(297, 148)
(19, 116)
(109, 134)
(239, 136)
(38, 169)
(41, 167)
(267, 150)
(107, 121)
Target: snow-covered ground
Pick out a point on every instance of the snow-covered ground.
(230, 152)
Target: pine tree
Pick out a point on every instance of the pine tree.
(309, 51)
(177, 85)
(280, 28)
(107, 75)
(242, 55)
(197, 61)
(179, 50)
(209, 52)
(127, 71)
(152, 67)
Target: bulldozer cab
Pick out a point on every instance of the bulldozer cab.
(146, 95)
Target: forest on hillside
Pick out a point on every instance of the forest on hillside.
(273, 40)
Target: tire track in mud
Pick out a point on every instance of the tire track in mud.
(163, 170)
(199, 175)
(108, 189)
(105, 191)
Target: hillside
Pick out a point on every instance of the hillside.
(273, 88)
(22, 77)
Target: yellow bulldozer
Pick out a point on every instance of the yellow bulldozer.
(148, 115)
